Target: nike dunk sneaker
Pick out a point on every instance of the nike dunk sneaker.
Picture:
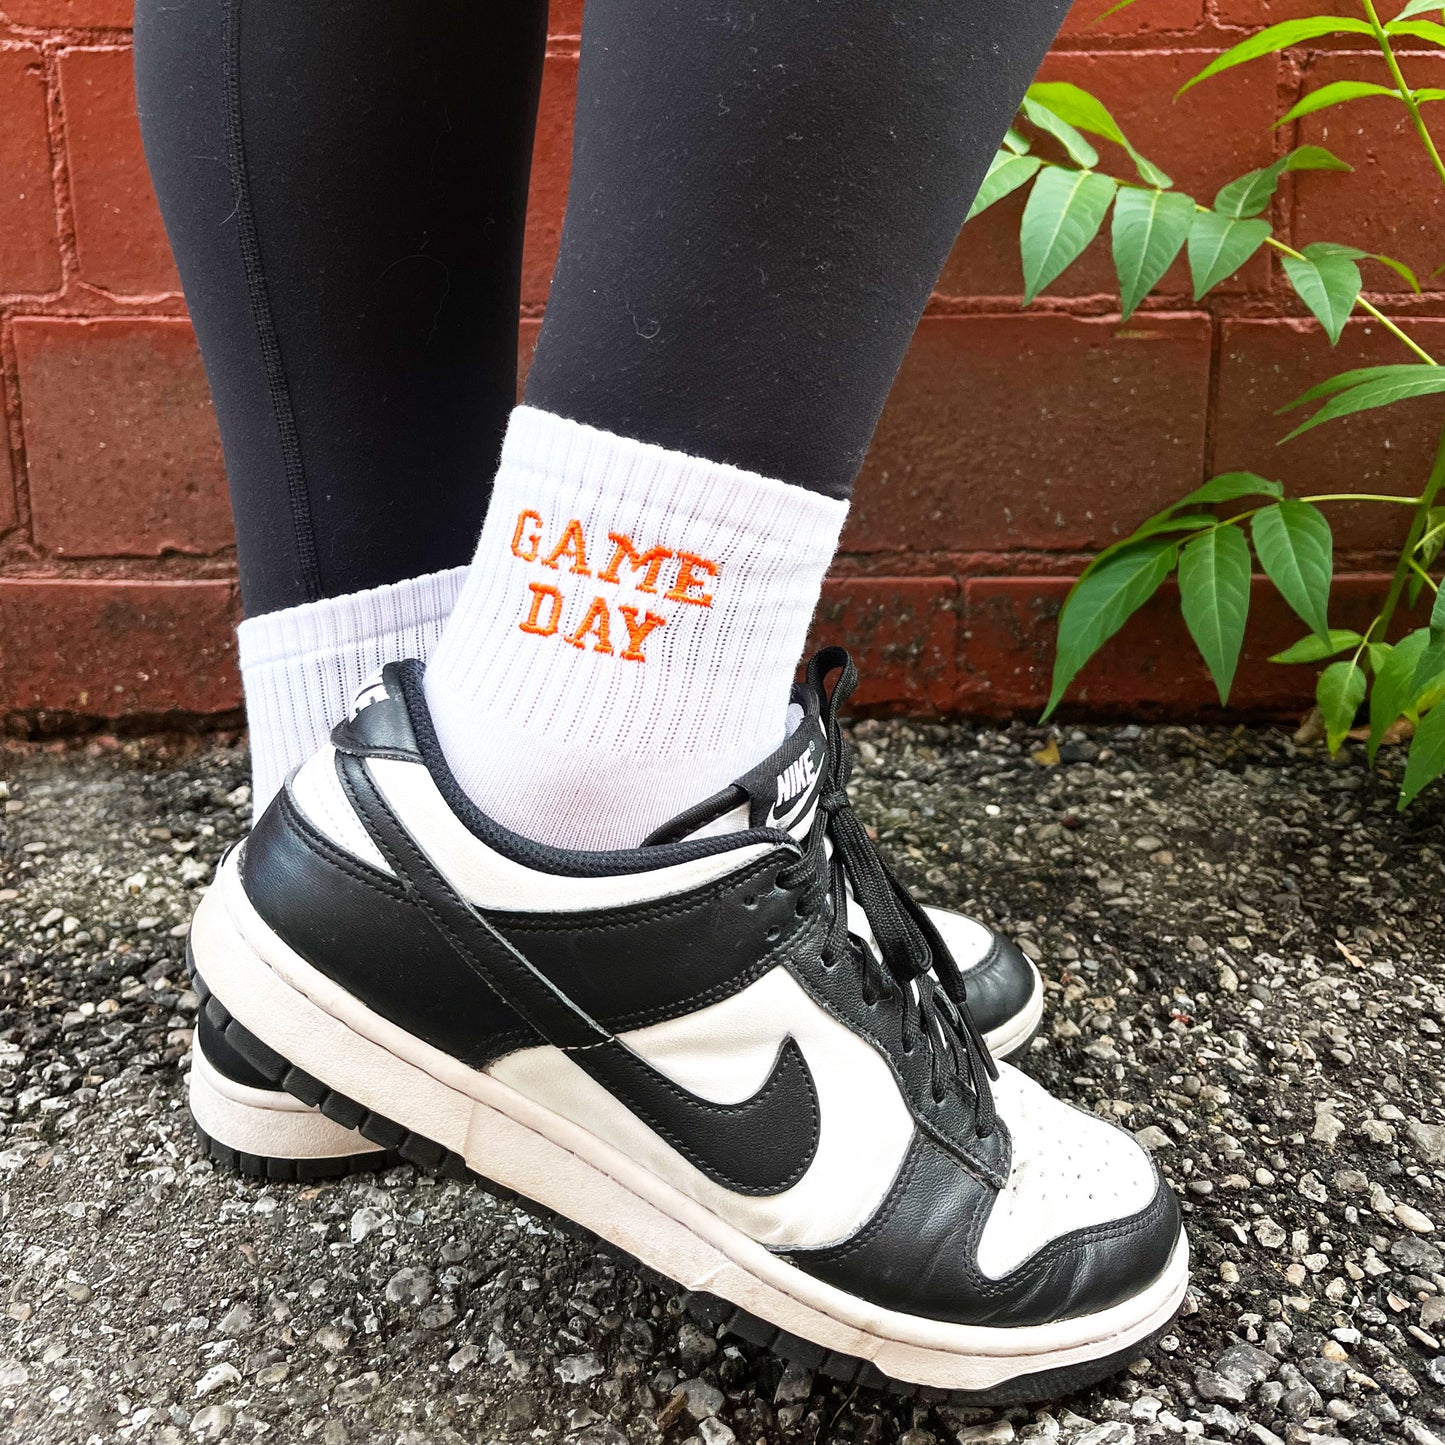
(249, 1124)
(256, 1127)
(741, 1053)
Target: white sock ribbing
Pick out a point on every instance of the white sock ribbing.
(628, 632)
(300, 667)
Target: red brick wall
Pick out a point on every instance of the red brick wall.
(1015, 444)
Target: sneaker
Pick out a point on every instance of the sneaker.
(246, 1123)
(741, 1053)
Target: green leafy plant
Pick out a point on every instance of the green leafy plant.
(1211, 539)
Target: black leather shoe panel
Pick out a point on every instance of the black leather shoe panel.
(999, 985)
(918, 1254)
(647, 962)
(357, 926)
(226, 1061)
(949, 1120)
(381, 729)
(626, 967)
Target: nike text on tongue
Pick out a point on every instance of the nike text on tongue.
(797, 777)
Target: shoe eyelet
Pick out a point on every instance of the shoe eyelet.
(751, 901)
(773, 934)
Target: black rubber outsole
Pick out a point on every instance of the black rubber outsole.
(289, 1170)
(719, 1315)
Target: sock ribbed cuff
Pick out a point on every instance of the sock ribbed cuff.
(637, 614)
(300, 667)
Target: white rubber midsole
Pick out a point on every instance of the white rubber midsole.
(271, 1124)
(506, 1137)
(268, 1123)
(1014, 1033)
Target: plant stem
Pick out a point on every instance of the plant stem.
(1406, 94)
(1244, 516)
(1381, 625)
(1362, 497)
(1424, 575)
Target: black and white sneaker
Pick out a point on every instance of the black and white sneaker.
(741, 1053)
(255, 1127)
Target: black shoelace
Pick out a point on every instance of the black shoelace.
(915, 964)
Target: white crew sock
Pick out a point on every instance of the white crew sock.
(585, 693)
(300, 667)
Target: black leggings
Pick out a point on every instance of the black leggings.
(762, 197)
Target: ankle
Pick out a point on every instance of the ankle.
(628, 633)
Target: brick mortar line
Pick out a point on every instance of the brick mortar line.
(14, 440)
(61, 185)
(1240, 306)
(956, 569)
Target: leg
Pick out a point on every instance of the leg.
(761, 202)
(345, 187)
(739, 1051)
(749, 295)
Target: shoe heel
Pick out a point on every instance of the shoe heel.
(265, 1133)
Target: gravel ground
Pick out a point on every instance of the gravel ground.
(1243, 946)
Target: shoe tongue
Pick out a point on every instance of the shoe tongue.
(782, 789)
(779, 793)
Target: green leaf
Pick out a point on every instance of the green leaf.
(1219, 246)
(1315, 649)
(1432, 540)
(1437, 616)
(1342, 381)
(1006, 173)
(1399, 267)
(1253, 191)
(1339, 692)
(1328, 282)
(1420, 7)
(1156, 526)
(1019, 144)
(1430, 667)
(1377, 392)
(1150, 228)
(1296, 549)
(1427, 756)
(1064, 212)
(1432, 660)
(1430, 30)
(1100, 605)
(1076, 107)
(1229, 487)
(1214, 597)
(1427, 549)
(1427, 94)
(1335, 93)
(1278, 37)
(1080, 151)
(1392, 693)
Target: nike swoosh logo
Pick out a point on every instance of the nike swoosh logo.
(763, 1145)
(784, 823)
